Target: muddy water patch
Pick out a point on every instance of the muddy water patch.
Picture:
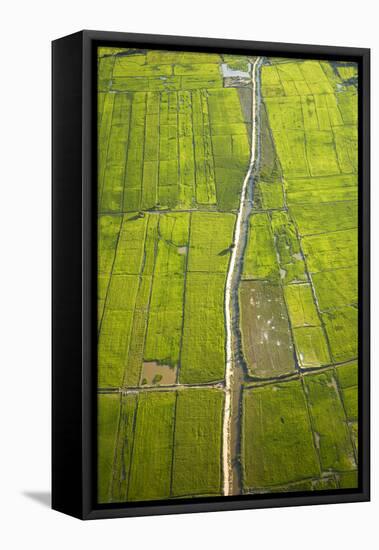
(230, 72)
(154, 374)
(266, 336)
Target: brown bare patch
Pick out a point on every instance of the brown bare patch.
(154, 374)
(266, 337)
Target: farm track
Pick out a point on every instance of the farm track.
(171, 387)
(247, 381)
(235, 370)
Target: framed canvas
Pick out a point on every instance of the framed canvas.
(210, 275)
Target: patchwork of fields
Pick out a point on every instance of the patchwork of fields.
(157, 453)
(174, 133)
(299, 293)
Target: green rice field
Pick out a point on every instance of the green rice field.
(174, 146)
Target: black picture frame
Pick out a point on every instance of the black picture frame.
(74, 339)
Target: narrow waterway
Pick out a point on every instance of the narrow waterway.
(235, 369)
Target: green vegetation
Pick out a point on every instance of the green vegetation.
(316, 197)
(122, 297)
(113, 346)
(152, 447)
(277, 442)
(336, 288)
(331, 217)
(306, 231)
(130, 248)
(230, 145)
(204, 161)
(288, 249)
(332, 482)
(173, 150)
(348, 480)
(197, 449)
(342, 328)
(109, 227)
(202, 354)
(166, 304)
(236, 62)
(331, 250)
(107, 432)
(211, 238)
(263, 265)
(124, 449)
(347, 376)
(114, 172)
(329, 421)
(311, 347)
(270, 195)
(163, 140)
(160, 444)
(301, 307)
(312, 114)
(142, 287)
(306, 423)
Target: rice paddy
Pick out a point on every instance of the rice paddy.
(175, 141)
